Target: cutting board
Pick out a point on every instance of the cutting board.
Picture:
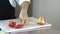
(32, 25)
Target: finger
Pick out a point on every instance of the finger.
(25, 21)
(21, 20)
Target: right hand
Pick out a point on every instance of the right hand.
(23, 18)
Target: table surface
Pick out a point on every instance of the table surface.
(32, 25)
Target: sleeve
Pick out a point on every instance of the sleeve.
(12, 2)
(21, 1)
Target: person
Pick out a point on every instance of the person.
(7, 9)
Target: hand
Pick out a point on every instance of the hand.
(23, 17)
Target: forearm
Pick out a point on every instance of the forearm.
(25, 6)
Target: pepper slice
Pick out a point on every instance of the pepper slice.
(12, 24)
(19, 26)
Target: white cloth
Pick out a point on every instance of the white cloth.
(13, 2)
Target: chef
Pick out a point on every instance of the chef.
(7, 9)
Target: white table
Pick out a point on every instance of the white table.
(32, 25)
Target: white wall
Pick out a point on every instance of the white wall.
(48, 8)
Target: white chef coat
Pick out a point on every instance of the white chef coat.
(13, 2)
